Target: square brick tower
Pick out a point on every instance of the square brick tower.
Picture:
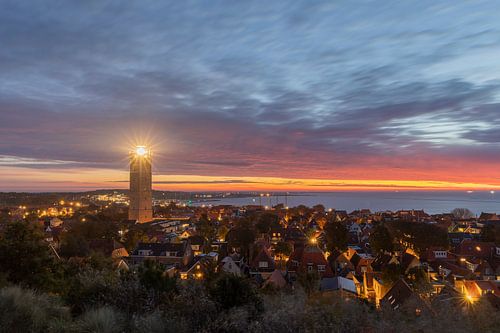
(141, 193)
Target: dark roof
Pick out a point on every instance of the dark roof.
(159, 249)
(294, 233)
(399, 294)
(475, 248)
(355, 259)
(263, 256)
(406, 260)
(380, 262)
(488, 216)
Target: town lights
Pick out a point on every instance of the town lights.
(313, 240)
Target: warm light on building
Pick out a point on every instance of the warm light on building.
(469, 298)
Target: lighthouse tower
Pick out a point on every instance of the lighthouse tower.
(141, 193)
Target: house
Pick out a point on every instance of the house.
(177, 254)
(474, 289)
(313, 260)
(294, 235)
(451, 271)
(200, 266)
(197, 242)
(488, 217)
(368, 291)
(439, 254)
(309, 259)
(400, 295)
(234, 265)
(263, 263)
(382, 260)
(341, 215)
(409, 261)
(277, 234)
(187, 233)
(475, 249)
(380, 288)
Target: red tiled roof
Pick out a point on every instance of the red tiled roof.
(312, 255)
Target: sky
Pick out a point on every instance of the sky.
(250, 95)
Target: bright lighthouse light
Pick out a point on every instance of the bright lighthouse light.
(141, 151)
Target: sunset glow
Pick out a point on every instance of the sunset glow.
(88, 179)
(274, 97)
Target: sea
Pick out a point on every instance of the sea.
(434, 202)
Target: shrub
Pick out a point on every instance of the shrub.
(27, 311)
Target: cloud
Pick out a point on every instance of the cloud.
(241, 90)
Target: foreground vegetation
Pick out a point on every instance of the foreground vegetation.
(40, 292)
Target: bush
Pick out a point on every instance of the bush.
(101, 320)
(27, 311)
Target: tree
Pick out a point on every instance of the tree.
(265, 222)
(242, 236)
(283, 249)
(152, 276)
(230, 291)
(462, 213)
(222, 232)
(206, 229)
(419, 236)
(491, 233)
(337, 236)
(25, 257)
(419, 280)
(391, 273)
(309, 281)
(319, 208)
(74, 245)
(381, 239)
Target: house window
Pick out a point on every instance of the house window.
(321, 268)
(309, 268)
(263, 264)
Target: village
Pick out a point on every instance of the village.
(383, 258)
